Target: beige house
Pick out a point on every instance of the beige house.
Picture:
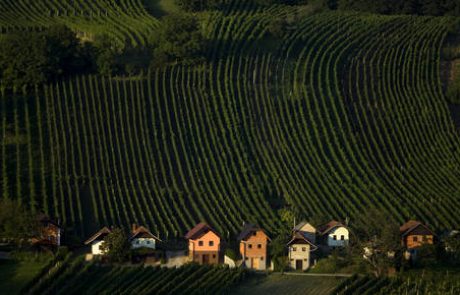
(308, 230)
(300, 248)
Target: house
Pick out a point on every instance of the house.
(300, 248)
(451, 239)
(308, 230)
(333, 234)
(254, 247)
(203, 244)
(49, 232)
(97, 240)
(141, 237)
(415, 234)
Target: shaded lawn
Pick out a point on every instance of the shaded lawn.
(159, 8)
(287, 284)
(14, 275)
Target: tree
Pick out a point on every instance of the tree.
(380, 237)
(198, 5)
(17, 223)
(179, 40)
(116, 246)
(452, 246)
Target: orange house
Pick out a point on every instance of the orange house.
(203, 244)
(415, 234)
(254, 247)
(49, 232)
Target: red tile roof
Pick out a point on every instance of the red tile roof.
(299, 236)
(325, 228)
(142, 232)
(99, 235)
(199, 230)
(249, 229)
(409, 226)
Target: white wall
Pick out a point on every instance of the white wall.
(299, 254)
(143, 242)
(95, 248)
(338, 232)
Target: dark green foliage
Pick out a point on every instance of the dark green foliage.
(419, 7)
(116, 246)
(179, 40)
(16, 221)
(27, 59)
(199, 5)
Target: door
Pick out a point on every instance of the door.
(255, 263)
(205, 258)
(299, 264)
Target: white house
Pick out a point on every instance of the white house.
(308, 230)
(334, 234)
(143, 238)
(97, 240)
(300, 248)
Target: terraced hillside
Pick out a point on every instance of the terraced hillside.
(127, 21)
(339, 114)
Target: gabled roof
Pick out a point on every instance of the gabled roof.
(411, 225)
(199, 230)
(142, 232)
(325, 228)
(299, 226)
(248, 229)
(45, 219)
(299, 236)
(99, 235)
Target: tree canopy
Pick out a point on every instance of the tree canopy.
(116, 246)
(16, 221)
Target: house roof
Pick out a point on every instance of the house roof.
(300, 237)
(300, 225)
(325, 228)
(199, 230)
(142, 232)
(45, 219)
(99, 235)
(411, 225)
(248, 229)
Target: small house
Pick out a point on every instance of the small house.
(141, 237)
(300, 248)
(97, 240)
(49, 232)
(203, 244)
(254, 247)
(415, 234)
(306, 229)
(333, 234)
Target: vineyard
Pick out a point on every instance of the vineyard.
(442, 285)
(127, 21)
(342, 113)
(74, 276)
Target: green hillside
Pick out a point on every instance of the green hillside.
(331, 115)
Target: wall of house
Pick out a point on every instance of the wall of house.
(302, 252)
(255, 247)
(421, 239)
(310, 232)
(143, 243)
(96, 248)
(338, 233)
(210, 246)
(51, 233)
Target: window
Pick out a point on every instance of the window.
(250, 246)
(342, 237)
(294, 249)
(304, 249)
(137, 242)
(305, 259)
(259, 246)
(424, 238)
(147, 242)
(334, 237)
(211, 243)
(213, 255)
(254, 234)
(261, 259)
(415, 239)
(200, 243)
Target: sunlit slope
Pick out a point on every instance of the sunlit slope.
(344, 114)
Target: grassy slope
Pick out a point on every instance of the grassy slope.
(283, 284)
(14, 275)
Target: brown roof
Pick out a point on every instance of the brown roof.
(249, 229)
(325, 228)
(410, 226)
(45, 219)
(142, 232)
(300, 237)
(99, 235)
(199, 230)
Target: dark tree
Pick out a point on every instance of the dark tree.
(116, 246)
(16, 221)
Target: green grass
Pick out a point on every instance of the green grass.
(288, 284)
(14, 275)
